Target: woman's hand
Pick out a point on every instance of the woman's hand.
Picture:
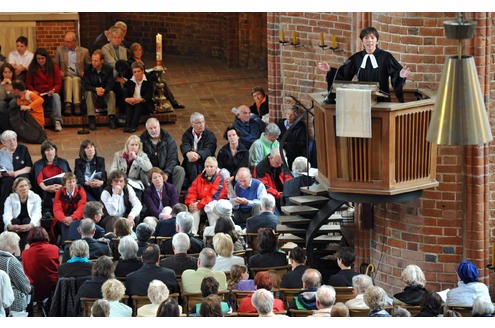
(323, 66)
(404, 72)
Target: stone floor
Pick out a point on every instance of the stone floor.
(203, 85)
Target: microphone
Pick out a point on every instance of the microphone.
(330, 98)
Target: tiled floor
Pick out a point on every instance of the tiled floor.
(206, 86)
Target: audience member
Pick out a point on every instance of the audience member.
(262, 300)
(98, 86)
(219, 210)
(247, 198)
(208, 186)
(180, 261)
(224, 247)
(268, 255)
(260, 106)
(360, 283)
(90, 170)
(104, 37)
(72, 59)
(137, 282)
(6, 293)
(160, 196)
(198, 143)
(325, 298)
(266, 219)
(68, 205)
(250, 127)
(225, 225)
(261, 148)
(138, 97)
(376, 299)
(128, 261)
(233, 155)
(161, 149)
(297, 261)
(339, 310)
(9, 253)
(166, 227)
(97, 248)
(143, 235)
(431, 305)
(415, 281)
(468, 288)
(293, 132)
(113, 291)
(169, 308)
(184, 223)
(100, 308)
(157, 294)
(483, 307)
(345, 261)
(273, 173)
(79, 264)
(120, 199)
(22, 210)
(301, 178)
(152, 222)
(21, 57)
(239, 278)
(191, 279)
(262, 280)
(7, 97)
(114, 51)
(92, 210)
(44, 79)
(211, 307)
(209, 286)
(306, 299)
(29, 102)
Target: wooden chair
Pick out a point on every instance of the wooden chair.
(300, 313)
(353, 312)
(343, 294)
(238, 295)
(86, 304)
(287, 294)
(277, 273)
(159, 240)
(465, 311)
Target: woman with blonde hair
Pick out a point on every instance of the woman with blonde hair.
(224, 247)
(113, 291)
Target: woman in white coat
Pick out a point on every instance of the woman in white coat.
(22, 209)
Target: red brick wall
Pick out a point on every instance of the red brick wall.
(50, 34)
(447, 224)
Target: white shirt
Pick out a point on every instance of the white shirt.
(15, 58)
(115, 203)
(137, 89)
(6, 293)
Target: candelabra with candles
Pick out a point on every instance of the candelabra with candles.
(162, 104)
(333, 47)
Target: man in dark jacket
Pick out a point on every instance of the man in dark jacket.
(345, 261)
(162, 152)
(97, 248)
(137, 282)
(250, 127)
(180, 261)
(297, 260)
(266, 219)
(184, 223)
(306, 299)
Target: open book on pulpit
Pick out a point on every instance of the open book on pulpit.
(353, 107)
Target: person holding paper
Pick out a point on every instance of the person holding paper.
(372, 64)
(68, 205)
(48, 173)
(90, 170)
(159, 194)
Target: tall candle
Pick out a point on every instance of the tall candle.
(294, 38)
(322, 39)
(334, 41)
(282, 35)
(159, 62)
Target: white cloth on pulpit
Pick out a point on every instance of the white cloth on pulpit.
(353, 113)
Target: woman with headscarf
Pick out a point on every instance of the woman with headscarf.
(468, 288)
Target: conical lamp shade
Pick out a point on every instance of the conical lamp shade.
(460, 116)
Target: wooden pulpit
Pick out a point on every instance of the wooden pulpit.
(395, 160)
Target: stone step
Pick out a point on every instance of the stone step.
(315, 190)
(102, 120)
(293, 220)
(288, 237)
(308, 200)
(306, 211)
(330, 228)
(286, 229)
(327, 239)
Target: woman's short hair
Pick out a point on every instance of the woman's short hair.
(211, 160)
(79, 248)
(230, 128)
(210, 307)
(122, 227)
(157, 291)
(128, 248)
(369, 30)
(168, 308)
(412, 275)
(85, 143)
(134, 46)
(223, 244)
(100, 308)
(47, 144)
(113, 290)
(158, 170)
(236, 272)
(267, 241)
(263, 279)
(300, 165)
(151, 221)
(37, 234)
(262, 300)
(273, 130)
(68, 176)
(103, 267)
(9, 241)
(7, 134)
(209, 285)
(375, 297)
(361, 282)
(19, 180)
(339, 309)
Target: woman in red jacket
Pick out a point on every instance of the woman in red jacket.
(44, 79)
(208, 186)
(68, 205)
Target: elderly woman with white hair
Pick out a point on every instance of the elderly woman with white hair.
(113, 291)
(360, 283)
(9, 249)
(260, 149)
(376, 299)
(128, 262)
(79, 264)
(215, 210)
(415, 281)
(157, 293)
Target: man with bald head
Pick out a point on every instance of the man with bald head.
(72, 60)
(250, 126)
(248, 193)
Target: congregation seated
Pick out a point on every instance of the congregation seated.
(97, 248)
(138, 97)
(294, 134)
(113, 291)
(268, 255)
(169, 308)
(250, 127)
(262, 280)
(226, 226)
(224, 247)
(208, 186)
(376, 300)
(92, 210)
(180, 261)
(22, 209)
(48, 172)
(239, 278)
(325, 298)
(431, 305)
(306, 299)
(68, 206)
(267, 141)
(137, 282)
(143, 235)
(297, 261)
(415, 290)
(247, 196)
(233, 155)
(360, 283)
(160, 194)
(198, 143)
(166, 226)
(209, 286)
(260, 106)
(44, 79)
(184, 223)
(128, 261)
(9, 263)
(40, 262)
(191, 279)
(90, 170)
(78, 264)
(266, 218)
(468, 287)
(345, 261)
(157, 294)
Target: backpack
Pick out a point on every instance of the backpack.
(26, 127)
